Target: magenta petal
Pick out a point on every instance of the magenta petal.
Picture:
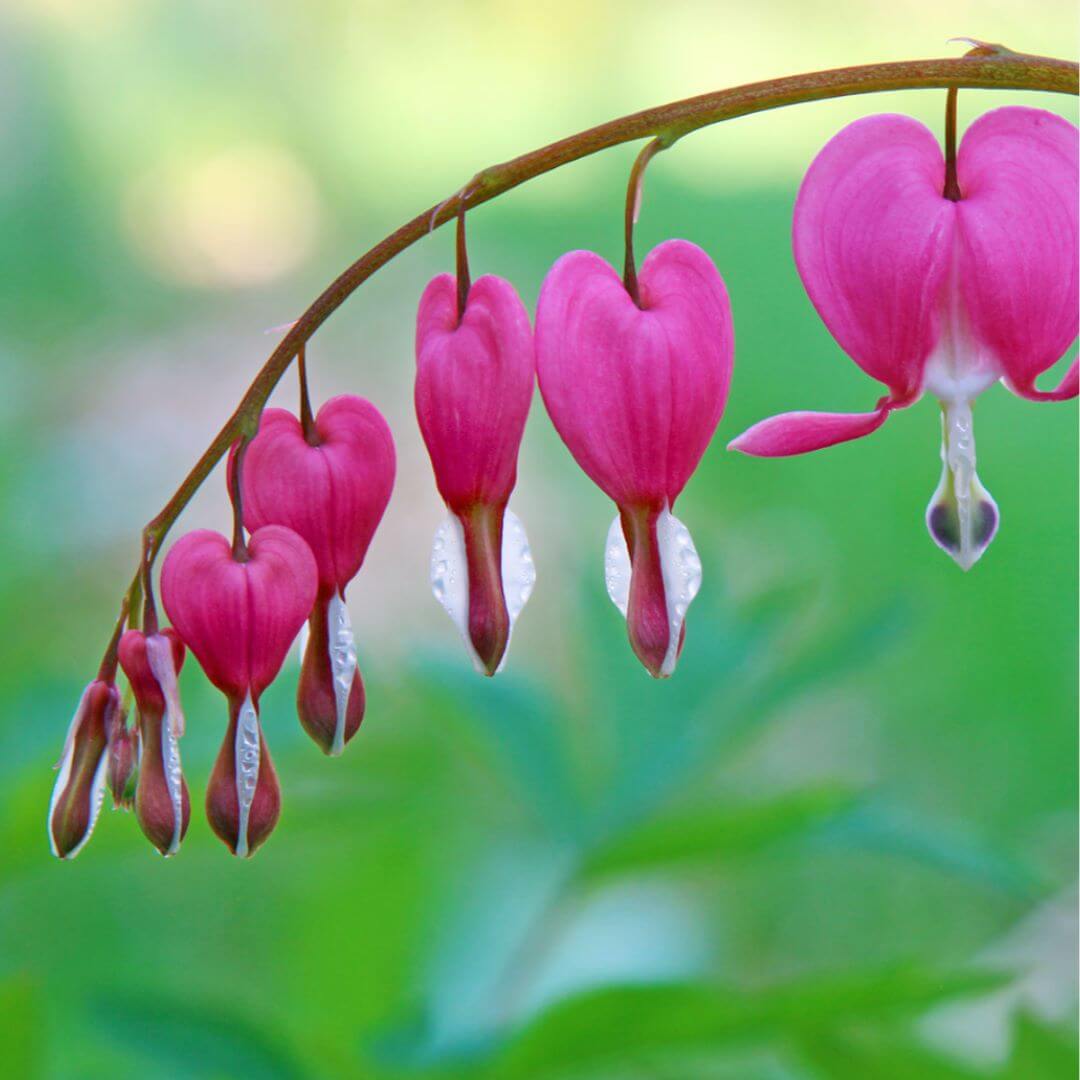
(873, 239)
(636, 393)
(800, 432)
(333, 494)
(239, 618)
(1065, 390)
(1017, 241)
(474, 385)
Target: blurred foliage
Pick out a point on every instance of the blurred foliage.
(839, 843)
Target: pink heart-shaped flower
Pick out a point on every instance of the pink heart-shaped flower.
(331, 489)
(239, 617)
(636, 394)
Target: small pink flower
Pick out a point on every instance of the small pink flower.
(80, 786)
(929, 294)
(474, 384)
(239, 618)
(636, 394)
(331, 491)
(152, 663)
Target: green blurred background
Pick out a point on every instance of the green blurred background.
(841, 842)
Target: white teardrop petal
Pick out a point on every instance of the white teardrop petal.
(450, 575)
(680, 565)
(246, 750)
(617, 566)
(342, 664)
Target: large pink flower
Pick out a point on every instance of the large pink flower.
(239, 616)
(636, 394)
(929, 294)
(332, 490)
(474, 383)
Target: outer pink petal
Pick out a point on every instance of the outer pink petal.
(872, 239)
(1017, 241)
(334, 494)
(239, 618)
(474, 385)
(800, 432)
(636, 393)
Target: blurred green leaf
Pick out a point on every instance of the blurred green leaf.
(196, 1042)
(518, 725)
(21, 1029)
(893, 830)
(662, 1021)
(710, 833)
(1040, 1051)
(839, 1057)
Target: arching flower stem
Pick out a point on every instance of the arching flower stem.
(999, 69)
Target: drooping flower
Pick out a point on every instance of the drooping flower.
(474, 384)
(152, 663)
(239, 615)
(330, 486)
(636, 394)
(80, 784)
(928, 293)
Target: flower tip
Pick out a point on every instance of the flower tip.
(330, 696)
(243, 798)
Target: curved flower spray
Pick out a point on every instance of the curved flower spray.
(933, 276)
(939, 287)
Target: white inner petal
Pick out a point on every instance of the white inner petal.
(246, 749)
(959, 367)
(450, 575)
(680, 567)
(159, 655)
(342, 664)
(960, 484)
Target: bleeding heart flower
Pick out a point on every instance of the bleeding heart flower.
(330, 487)
(636, 394)
(474, 384)
(152, 663)
(239, 616)
(80, 786)
(926, 293)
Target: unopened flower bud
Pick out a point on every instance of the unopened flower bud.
(80, 785)
(162, 804)
(123, 760)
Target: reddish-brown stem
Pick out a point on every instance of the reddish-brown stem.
(1002, 70)
(464, 282)
(239, 544)
(952, 185)
(633, 207)
(307, 421)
